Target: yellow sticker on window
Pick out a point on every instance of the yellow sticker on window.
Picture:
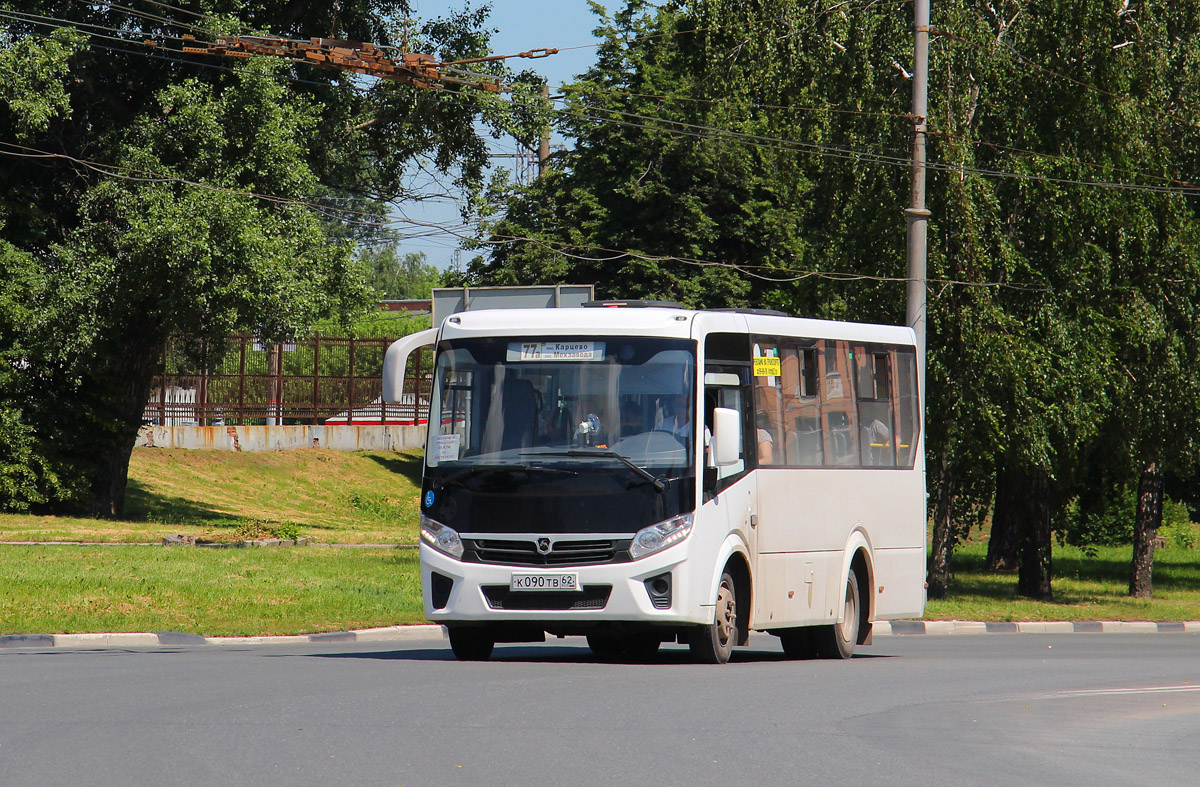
(767, 367)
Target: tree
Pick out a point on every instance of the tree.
(734, 154)
(400, 279)
(163, 195)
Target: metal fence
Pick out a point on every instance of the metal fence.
(322, 380)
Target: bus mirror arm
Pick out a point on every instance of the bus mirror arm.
(396, 358)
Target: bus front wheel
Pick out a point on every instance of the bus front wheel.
(838, 641)
(713, 643)
(471, 644)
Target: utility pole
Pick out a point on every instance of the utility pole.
(916, 213)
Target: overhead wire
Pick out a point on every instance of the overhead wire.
(562, 248)
(709, 132)
(144, 15)
(1026, 153)
(867, 156)
(58, 23)
(169, 7)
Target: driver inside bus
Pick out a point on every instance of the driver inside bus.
(680, 423)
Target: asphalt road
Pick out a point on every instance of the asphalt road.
(994, 709)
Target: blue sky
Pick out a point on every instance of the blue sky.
(521, 25)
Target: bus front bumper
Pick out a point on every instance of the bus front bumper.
(614, 592)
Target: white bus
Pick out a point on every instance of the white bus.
(638, 473)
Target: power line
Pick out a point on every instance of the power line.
(169, 7)
(146, 16)
(561, 248)
(718, 134)
(564, 248)
(148, 176)
(866, 156)
(1023, 152)
(724, 102)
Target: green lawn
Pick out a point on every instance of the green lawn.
(1085, 588)
(329, 496)
(214, 592)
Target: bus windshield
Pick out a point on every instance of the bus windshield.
(602, 421)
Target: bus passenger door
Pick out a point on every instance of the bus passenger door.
(729, 492)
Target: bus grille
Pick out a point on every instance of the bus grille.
(507, 552)
(589, 597)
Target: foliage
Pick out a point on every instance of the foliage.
(394, 278)
(376, 325)
(1178, 528)
(163, 195)
(666, 188)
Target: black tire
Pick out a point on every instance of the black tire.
(713, 643)
(633, 647)
(607, 648)
(471, 644)
(838, 641)
(640, 647)
(797, 642)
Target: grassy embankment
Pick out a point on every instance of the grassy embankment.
(327, 496)
(371, 498)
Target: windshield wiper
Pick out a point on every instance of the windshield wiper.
(641, 471)
(465, 472)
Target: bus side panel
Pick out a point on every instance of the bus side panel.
(803, 510)
(792, 589)
(894, 570)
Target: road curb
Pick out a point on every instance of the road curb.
(175, 638)
(905, 628)
(883, 628)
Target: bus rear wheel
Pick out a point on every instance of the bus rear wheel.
(713, 643)
(470, 644)
(838, 641)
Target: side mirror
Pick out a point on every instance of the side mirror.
(727, 437)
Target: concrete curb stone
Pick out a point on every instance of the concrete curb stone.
(905, 628)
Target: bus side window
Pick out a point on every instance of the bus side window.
(770, 393)
(874, 389)
(839, 432)
(801, 408)
(908, 412)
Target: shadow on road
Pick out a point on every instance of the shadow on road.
(559, 655)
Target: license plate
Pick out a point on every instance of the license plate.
(545, 582)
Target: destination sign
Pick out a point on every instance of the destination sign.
(555, 351)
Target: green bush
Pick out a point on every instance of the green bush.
(27, 478)
(1106, 520)
(1111, 524)
(1177, 527)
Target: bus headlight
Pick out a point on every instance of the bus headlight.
(659, 536)
(443, 539)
